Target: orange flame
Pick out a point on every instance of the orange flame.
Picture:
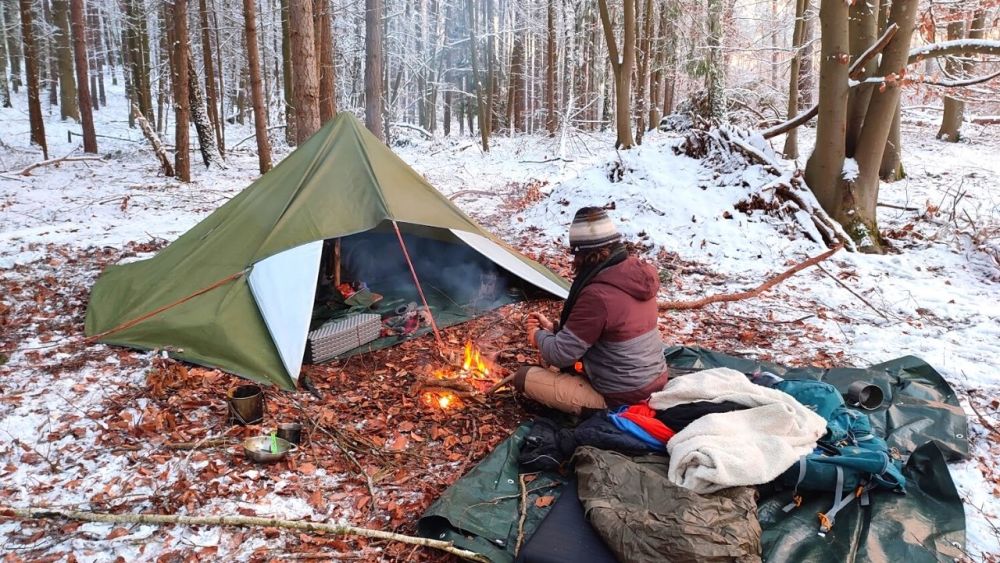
(473, 362)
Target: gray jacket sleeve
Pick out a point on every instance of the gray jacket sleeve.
(562, 349)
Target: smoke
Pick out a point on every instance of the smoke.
(450, 269)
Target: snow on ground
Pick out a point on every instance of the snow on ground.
(939, 298)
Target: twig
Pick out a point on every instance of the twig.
(545, 161)
(500, 384)
(207, 442)
(989, 426)
(854, 293)
(899, 207)
(524, 513)
(27, 170)
(35, 512)
(726, 298)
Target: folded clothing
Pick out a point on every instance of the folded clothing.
(653, 431)
(680, 417)
(747, 447)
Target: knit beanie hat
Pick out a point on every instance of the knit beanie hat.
(592, 228)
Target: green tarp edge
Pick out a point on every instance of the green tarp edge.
(922, 419)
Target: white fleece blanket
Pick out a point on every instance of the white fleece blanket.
(747, 447)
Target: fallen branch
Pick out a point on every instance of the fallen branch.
(154, 141)
(726, 298)
(855, 72)
(852, 292)
(67, 158)
(204, 443)
(35, 512)
(500, 384)
(899, 207)
(460, 193)
(986, 120)
(523, 508)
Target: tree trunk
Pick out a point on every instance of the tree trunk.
(327, 68)
(256, 91)
(4, 88)
(481, 96)
(202, 124)
(622, 69)
(154, 141)
(486, 113)
(211, 99)
(50, 56)
(954, 108)
(220, 71)
(715, 76)
(882, 110)
(806, 73)
(98, 96)
(863, 34)
(64, 50)
(13, 45)
(80, 54)
(31, 75)
(138, 46)
(286, 73)
(374, 57)
(891, 168)
(642, 71)
(182, 112)
(550, 68)
(517, 86)
(791, 149)
(305, 78)
(825, 166)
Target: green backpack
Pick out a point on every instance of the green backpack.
(850, 460)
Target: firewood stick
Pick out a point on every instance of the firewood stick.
(500, 384)
(38, 512)
(726, 298)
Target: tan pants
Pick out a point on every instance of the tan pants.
(561, 391)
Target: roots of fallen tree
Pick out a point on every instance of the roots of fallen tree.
(243, 521)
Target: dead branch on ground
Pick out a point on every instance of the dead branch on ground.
(154, 141)
(35, 512)
(27, 170)
(727, 298)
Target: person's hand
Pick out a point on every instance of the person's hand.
(542, 321)
(531, 328)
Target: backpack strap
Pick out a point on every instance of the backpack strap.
(827, 519)
(796, 497)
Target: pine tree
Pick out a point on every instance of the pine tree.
(31, 75)
(259, 107)
(83, 89)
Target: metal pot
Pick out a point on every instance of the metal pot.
(259, 449)
(290, 431)
(866, 395)
(246, 404)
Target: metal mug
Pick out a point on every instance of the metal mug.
(246, 404)
(865, 394)
(290, 431)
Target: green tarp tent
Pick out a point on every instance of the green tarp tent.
(237, 291)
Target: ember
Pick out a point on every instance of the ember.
(441, 399)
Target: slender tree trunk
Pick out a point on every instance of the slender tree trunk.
(50, 56)
(327, 69)
(806, 72)
(211, 99)
(14, 45)
(80, 54)
(642, 72)
(31, 75)
(286, 73)
(4, 88)
(259, 110)
(622, 68)
(98, 95)
(954, 108)
(138, 39)
(64, 49)
(791, 149)
(220, 71)
(482, 99)
(715, 75)
(891, 168)
(305, 86)
(202, 124)
(551, 121)
(825, 167)
(182, 112)
(491, 82)
(517, 86)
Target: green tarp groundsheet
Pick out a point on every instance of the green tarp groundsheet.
(920, 417)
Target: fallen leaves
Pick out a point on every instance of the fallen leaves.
(542, 502)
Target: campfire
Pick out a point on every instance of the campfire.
(446, 387)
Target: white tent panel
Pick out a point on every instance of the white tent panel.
(508, 261)
(284, 287)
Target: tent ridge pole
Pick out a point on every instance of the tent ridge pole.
(420, 290)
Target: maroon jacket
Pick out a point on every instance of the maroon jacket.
(612, 330)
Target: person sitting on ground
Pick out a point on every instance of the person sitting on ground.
(607, 333)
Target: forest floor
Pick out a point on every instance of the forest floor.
(88, 426)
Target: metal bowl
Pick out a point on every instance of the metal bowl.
(259, 449)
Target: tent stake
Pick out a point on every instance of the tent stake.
(416, 281)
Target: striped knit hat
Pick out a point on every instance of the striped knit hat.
(591, 228)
